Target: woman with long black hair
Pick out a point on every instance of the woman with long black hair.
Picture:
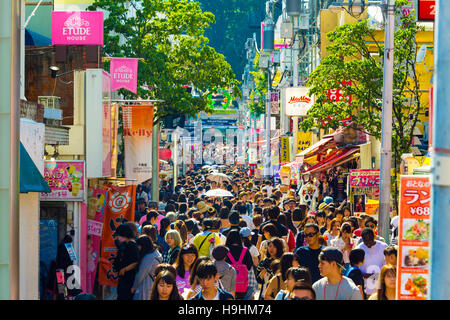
(165, 287)
(186, 259)
(149, 259)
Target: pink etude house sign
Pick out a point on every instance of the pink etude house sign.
(123, 73)
(77, 28)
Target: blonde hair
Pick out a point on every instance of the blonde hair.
(175, 235)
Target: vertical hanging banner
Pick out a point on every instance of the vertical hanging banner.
(137, 131)
(413, 238)
(119, 208)
(114, 132)
(284, 150)
(96, 208)
(124, 74)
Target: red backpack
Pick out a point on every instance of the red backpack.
(241, 271)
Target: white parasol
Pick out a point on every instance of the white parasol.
(218, 193)
(218, 177)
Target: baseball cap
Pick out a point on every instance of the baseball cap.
(328, 200)
(323, 205)
(245, 232)
(332, 254)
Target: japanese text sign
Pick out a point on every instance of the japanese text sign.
(284, 150)
(414, 236)
(304, 140)
(365, 178)
(65, 179)
(77, 28)
(124, 74)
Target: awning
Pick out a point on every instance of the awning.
(31, 180)
(35, 39)
(340, 155)
(315, 146)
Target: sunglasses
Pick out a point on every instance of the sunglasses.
(310, 235)
(372, 226)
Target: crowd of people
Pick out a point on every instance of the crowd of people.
(259, 244)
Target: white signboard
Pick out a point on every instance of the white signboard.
(298, 101)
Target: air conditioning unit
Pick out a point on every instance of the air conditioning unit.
(52, 110)
(303, 21)
(50, 101)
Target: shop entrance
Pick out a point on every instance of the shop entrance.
(53, 227)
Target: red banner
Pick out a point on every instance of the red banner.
(119, 208)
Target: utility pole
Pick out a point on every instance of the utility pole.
(155, 163)
(440, 174)
(386, 128)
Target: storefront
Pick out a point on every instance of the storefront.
(60, 212)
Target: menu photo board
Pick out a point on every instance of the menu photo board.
(65, 179)
(414, 236)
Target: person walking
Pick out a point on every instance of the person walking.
(333, 285)
(149, 259)
(386, 284)
(165, 287)
(186, 259)
(309, 254)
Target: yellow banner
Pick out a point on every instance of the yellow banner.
(285, 155)
(304, 140)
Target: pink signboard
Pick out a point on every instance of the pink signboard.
(364, 178)
(77, 28)
(65, 179)
(124, 74)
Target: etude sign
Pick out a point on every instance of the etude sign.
(77, 28)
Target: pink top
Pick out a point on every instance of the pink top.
(144, 218)
(183, 283)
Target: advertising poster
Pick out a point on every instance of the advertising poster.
(137, 131)
(124, 74)
(364, 190)
(274, 102)
(114, 134)
(119, 208)
(304, 140)
(65, 179)
(284, 150)
(414, 236)
(96, 208)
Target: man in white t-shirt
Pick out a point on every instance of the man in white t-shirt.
(374, 259)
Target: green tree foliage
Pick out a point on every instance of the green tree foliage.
(257, 104)
(168, 35)
(351, 60)
(233, 27)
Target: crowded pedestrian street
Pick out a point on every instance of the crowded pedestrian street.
(250, 151)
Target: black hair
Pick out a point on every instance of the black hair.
(182, 208)
(182, 217)
(278, 244)
(270, 228)
(169, 278)
(286, 262)
(370, 219)
(194, 268)
(152, 214)
(367, 231)
(299, 274)
(356, 256)
(146, 246)
(224, 213)
(312, 225)
(321, 213)
(164, 223)
(233, 239)
(274, 212)
(180, 263)
(258, 210)
(392, 249)
(145, 223)
(206, 270)
(304, 286)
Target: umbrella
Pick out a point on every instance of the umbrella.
(218, 193)
(218, 177)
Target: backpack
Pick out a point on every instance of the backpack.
(241, 271)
